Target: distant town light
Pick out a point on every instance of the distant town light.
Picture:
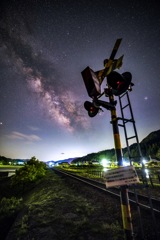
(144, 161)
(105, 162)
(51, 164)
(125, 163)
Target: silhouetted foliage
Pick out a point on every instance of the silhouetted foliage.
(4, 160)
(32, 171)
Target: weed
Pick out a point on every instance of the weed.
(8, 206)
(23, 228)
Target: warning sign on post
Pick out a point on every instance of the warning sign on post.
(121, 176)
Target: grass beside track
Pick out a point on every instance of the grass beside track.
(58, 209)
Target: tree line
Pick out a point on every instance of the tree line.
(150, 148)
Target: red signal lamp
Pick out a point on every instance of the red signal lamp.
(92, 110)
(94, 107)
(119, 83)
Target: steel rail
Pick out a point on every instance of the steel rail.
(101, 186)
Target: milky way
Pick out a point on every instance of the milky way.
(58, 102)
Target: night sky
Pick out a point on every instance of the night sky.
(44, 47)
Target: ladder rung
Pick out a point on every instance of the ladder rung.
(121, 125)
(125, 106)
(131, 137)
(123, 95)
(126, 120)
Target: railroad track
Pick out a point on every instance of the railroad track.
(145, 212)
(142, 201)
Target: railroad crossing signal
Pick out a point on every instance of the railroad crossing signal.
(94, 107)
(119, 83)
(92, 110)
(93, 80)
(110, 65)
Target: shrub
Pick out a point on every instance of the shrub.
(32, 171)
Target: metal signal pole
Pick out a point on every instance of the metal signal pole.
(125, 207)
(117, 84)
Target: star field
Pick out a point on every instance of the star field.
(45, 45)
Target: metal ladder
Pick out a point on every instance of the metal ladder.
(126, 105)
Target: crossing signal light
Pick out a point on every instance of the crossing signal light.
(92, 110)
(94, 107)
(119, 83)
